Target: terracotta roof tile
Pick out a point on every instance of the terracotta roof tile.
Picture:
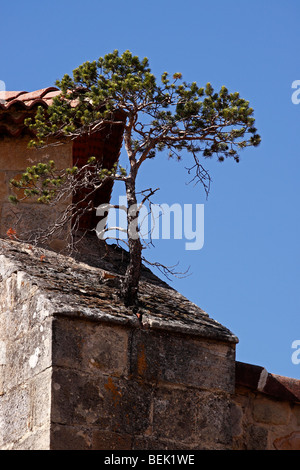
(38, 94)
(16, 106)
(10, 95)
(11, 98)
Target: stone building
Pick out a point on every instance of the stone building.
(78, 370)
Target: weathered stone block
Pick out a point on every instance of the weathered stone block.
(101, 401)
(236, 419)
(175, 418)
(79, 438)
(270, 412)
(30, 219)
(90, 347)
(103, 440)
(256, 437)
(15, 412)
(290, 442)
(16, 156)
(77, 399)
(41, 398)
(181, 359)
(200, 420)
(3, 186)
(296, 412)
(28, 356)
(153, 443)
(214, 424)
(17, 297)
(69, 438)
(37, 440)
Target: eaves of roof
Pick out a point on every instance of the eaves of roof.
(25, 100)
(16, 106)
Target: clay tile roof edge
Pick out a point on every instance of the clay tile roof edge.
(27, 99)
(258, 379)
(10, 95)
(37, 94)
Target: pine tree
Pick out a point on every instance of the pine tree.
(166, 115)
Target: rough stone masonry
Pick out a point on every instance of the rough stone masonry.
(78, 370)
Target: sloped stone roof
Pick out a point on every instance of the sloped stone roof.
(86, 286)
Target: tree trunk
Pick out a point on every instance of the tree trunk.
(129, 289)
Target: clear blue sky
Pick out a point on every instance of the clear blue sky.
(247, 274)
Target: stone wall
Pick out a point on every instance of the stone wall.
(78, 377)
(15, 157)
(74, 384)
(25, 383)
(266, 410)
(126, 388)
(79, 371)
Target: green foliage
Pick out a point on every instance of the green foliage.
(173, 110)
(167, 115)
(45, 182)
(13, 199)
(116, 171)
(41, 180)
(159, 115)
